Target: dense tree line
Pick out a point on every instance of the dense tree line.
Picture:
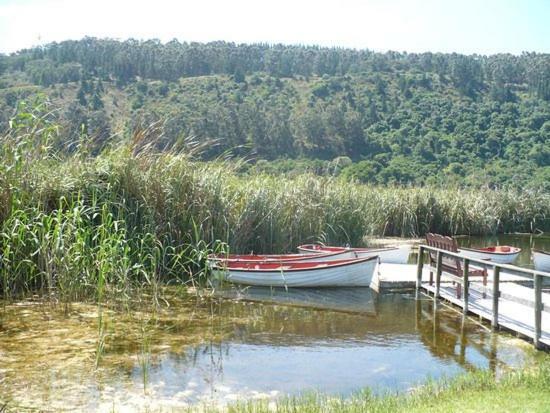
(60, 62)
(376, 117)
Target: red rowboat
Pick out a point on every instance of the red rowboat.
(396, 255)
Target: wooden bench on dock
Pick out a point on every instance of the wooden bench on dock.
(450, 265)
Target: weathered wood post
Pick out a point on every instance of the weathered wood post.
(438, 270)
(419, 268)
(496, 295)
(465, 278)
(538, 309)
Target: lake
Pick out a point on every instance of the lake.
(238, 344)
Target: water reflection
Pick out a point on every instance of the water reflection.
(349, 299)
(259, 343)
(458, 339)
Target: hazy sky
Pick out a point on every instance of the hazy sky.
(465, 26)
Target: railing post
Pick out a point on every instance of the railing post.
(465, 278)
(419, 267)
(496, 295)
(438, 270)
(538, 309)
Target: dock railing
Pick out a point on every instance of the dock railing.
(527, 273)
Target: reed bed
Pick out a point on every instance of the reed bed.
(77, 226)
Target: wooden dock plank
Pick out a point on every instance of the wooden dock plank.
(403, 276)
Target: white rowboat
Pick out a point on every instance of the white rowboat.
(502, 254)
(541, 259)
(394, 255)
(336, 273)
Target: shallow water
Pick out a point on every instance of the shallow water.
(253, 343)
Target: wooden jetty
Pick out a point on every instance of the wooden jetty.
(513, 298)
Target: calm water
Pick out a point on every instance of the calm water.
(248, 343)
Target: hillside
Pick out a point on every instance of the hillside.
(375, 117)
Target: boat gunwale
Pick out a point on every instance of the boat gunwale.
(517, 250)
(279, 270)
(343, 249)
(274, 260)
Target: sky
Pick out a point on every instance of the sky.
(462, 26)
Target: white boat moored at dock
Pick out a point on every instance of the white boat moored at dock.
(335, 273)
(541, 261)
(502, 254)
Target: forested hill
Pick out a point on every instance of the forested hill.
(377, 117)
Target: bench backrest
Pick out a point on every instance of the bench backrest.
(444, 243)
(441, 242)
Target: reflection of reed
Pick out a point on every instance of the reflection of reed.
(214, 351)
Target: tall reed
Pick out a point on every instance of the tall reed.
(76, 226)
